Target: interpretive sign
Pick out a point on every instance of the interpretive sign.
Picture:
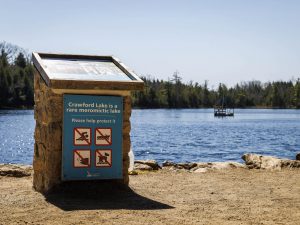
(92, 137)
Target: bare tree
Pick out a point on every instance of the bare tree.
(12, 51)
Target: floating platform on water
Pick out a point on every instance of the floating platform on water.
(220, 111)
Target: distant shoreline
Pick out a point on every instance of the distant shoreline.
(32, 108)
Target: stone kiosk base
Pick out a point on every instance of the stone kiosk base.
(48, 113)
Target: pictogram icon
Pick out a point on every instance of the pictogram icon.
(82, 136)
(81, 158)
(103, 136)
(103, 158)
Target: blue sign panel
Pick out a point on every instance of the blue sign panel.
(92, 137)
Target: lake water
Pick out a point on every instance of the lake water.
(178, 135)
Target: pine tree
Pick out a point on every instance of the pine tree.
(20, 61)
(4, 88)
(277, 98)
(205, 98)
(3, 59)
(297, 94)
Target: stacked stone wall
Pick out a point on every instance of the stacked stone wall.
(48, 136)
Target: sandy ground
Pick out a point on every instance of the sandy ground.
(237, 196)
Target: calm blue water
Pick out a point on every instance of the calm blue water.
(16, 136)
(178, 135)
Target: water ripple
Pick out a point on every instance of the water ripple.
(178, 135)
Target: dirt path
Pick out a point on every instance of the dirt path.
(237, 196)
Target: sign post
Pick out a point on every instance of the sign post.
(82, 112)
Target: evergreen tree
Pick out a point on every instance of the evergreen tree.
(206, 94)
(4, 88)
(277, 97)
(176, 97)
(16, 79)
(20, 61)
(168, 86)
(3, 59)
(28, 92)
(297, 94)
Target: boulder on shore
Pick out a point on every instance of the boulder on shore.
(15, 170)
(298, 156)
(226, 165)
(147, 165)
(180, 166)
(202, 167)
(254, 161)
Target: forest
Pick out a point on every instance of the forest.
(252, 94)
(16, 89)
(16, 77)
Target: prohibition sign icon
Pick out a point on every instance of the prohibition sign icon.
(103, 158)
(81, 158)
(103, 136)
(82, 136)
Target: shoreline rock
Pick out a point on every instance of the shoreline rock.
(151, 165)
(255, 161)
(203, 167)
(146, 165)
(15, 170)
(252, 161)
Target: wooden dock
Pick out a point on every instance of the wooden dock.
(222, 111)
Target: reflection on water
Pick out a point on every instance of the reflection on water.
(178, 135)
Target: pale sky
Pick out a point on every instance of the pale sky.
(220, 41)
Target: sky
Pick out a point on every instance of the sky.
(220, 41)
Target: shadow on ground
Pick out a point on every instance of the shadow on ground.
(100, 195)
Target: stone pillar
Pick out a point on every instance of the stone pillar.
(48, 114)
(48, 136)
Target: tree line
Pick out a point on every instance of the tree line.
(16, 80)
(16, 89)
(176, 94)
